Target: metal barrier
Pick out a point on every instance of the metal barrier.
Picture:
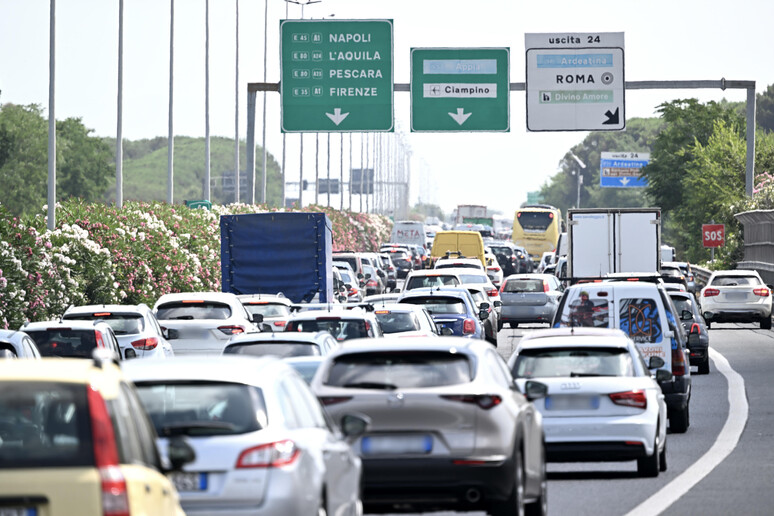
(701, 274)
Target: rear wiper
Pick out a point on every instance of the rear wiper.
(372, 385)
(183, 428)
(579, 375)
(184, 317)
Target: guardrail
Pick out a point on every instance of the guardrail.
(701, 274)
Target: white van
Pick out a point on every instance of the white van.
(667, 253)
(409, 232)
(645, 312)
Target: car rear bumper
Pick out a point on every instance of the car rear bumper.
(571, 439)
(751, 314)
(524, 314)
(677, 393)
(594, 451)
(434, 484)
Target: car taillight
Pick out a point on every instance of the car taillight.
(270, 455)
(502, 288)
(469, 326)
(678, 362)
(545, 286)
(332, 400)
(115, 499)
(695, 328)
(146, 344)
(494, 269)
(280, 323)
(635, 399)
(232, 330)
(763, 292)
(100, 342)
(485, 401)
(492, 292)
(353, 291)
(371, 283)
(709, 292)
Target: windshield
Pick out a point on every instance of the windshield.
(397, 322)
(64, 342)
(277, 348)
(431, 281)
(122, 324)
(523, 285)
(439, 304)
(341, 329)
(573, 362)
(193, 310)
(399, 370)
(268, 309)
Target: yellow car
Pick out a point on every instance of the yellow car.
(74, 440)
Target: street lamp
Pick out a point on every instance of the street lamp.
(580, 177)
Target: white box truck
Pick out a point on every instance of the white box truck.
(605, 240)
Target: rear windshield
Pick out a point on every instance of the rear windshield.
(203, 408)
(573, 362)
(431, 281)
(438, 304)
(44, 425)
(733, 281)
(501, 250)
(682, 303)
(580, 309)
(352, 261)
(64, 342)
(523, 285)
(399, 370)
(122, 324)
(191, 311)
(473, 278)
(268, 309)
(341, 329)
(277, 348)
(457, 265)
(396, 322)
(534, 221)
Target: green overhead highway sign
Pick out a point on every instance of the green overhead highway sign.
(337, 75)
(460, 89)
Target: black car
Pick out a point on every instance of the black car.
(401, 260)
(693, 322)
(512, 259)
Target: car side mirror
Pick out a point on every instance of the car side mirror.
(686, 315)
(535, 390)
(444, 331)
(396, 291)
(498, 304)
(359, 275)
(266, 328)
(257, 318)
(656, 363)
(483, 314)
(662, 375)
(173, 334)
(353, 426)
(179, 453)
(483, 306)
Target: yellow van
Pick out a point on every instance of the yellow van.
(468, 243)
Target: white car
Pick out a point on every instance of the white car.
(137, 330)
(275, 308)
(17, 344)
(405, 320)
(431, 278)
(736, 296)
(263, 444)
(493, 269)
(202, 322)
(343, 323)
(283, 344)
(602, 403)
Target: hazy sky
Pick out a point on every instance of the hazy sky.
(664, 40)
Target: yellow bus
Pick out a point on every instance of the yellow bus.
(536, 227)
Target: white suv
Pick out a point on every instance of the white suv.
(736, 296)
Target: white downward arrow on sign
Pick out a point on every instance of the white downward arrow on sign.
(624, 181)
(460, 116)
(337, 117)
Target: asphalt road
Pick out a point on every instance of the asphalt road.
(740, 483)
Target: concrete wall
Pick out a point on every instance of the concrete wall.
(758, 242)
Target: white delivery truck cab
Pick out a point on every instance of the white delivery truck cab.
(605, 240)
(409, 232)
(667, 253)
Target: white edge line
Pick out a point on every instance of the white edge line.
(723, 446)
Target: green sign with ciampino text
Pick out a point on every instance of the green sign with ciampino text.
(337, 75)
(460, 89)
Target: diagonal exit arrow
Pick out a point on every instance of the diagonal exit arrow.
(460, 116)
(337, 117)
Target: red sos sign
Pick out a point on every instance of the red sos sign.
(713, 235)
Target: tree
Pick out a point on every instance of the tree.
(765, 109)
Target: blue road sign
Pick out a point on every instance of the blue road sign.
(622, 169)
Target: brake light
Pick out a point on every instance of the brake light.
(98, 337)
(270, 455)
(280, 323)
(545, 286)
(635, 399)
(115, 499)
(494, 269)
(678, 362)
(146, 344)
(484, 401)
(371, 283)
(232, 330)
(368, 326)
(492, 292)
(102, 314)
(332, 400)
(502, 288)
(763, 292)
(353, 291)
(469, 326)
(695, 328)
(709, 292)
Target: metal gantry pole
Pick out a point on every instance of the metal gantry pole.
(171, 132)
(206, 100)
(328, 203)
(316, 168)
(301, 174)
(119, 124)
(341, 173)
(51, 210)
(237, 190)
(350, 171)
(362, 170)
(263, 144)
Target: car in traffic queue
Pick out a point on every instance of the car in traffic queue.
(138, 332)
(391, 280)
(263, 443)
(493, 269)
(672, 273)
(75, 339)
(453, 310)
(690, 278)
(736, 296)
(431, 278)
(693, 322)
(492, 324)
(306, 366)
(75, 440)
(405, 320)
(371, 282)
(17, 344)
(274, 308)
(202, 322)
(529, 298)
(400, 259)
(352, 322)
(506, 257)
(416, 455)
(472, 278)
(645, 312)
(282, 344)
(602, 403)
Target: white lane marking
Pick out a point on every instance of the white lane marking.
(723, 446)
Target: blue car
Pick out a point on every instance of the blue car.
(452, 309)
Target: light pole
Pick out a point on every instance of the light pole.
(580, 177)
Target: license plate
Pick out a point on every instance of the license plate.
(736, 296)
(185, 481)
(572, 403)
(18, 511)
(396, 444)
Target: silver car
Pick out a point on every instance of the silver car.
(282, 344)
(17, 344)
(263, 443)
(449, 429)
(529, 298)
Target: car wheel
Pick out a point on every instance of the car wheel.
(709, 325)
(651, 465)
(513, 325)
(540, 506)
(514, 504)
(679, 420)
(704, 367)
(766, 323)
(663, 459)
(323, 509)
